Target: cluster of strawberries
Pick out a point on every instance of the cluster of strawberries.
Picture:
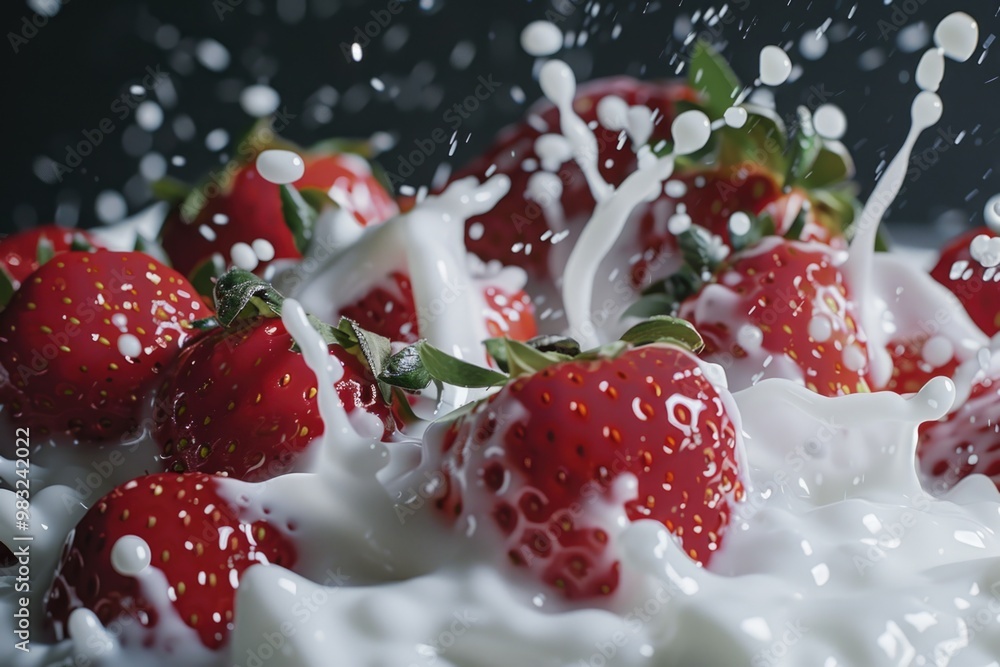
(92, 341)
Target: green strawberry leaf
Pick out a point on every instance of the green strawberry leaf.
(240, 294)
(170, 190)
(406, 370)
(805, 148)
(832, 166)
(300, 216)
(711, 76)
(665, 329)
(7, 287)
(650, 305)
(558, 344)
(417, 365)
(762, 139)
(44, 251)
(204, 276)
(760, 226)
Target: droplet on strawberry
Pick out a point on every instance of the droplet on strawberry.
(87, 335)
(240, 401)
(541, 466)
(199, 540)
(976, 285)
(782, 309)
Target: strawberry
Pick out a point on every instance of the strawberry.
(23, 252)
(975, 285)
(87, 335)
(793, 187)
(782, 309)
(248, 209)
(388, 309)
(517, 232)
(539, 466)
(240, 401)
(967, 441)
(199, 539)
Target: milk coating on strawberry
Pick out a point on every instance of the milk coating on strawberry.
(198, 539)
(538, 467)
(968, 267)
(87, 335)
(783, 309)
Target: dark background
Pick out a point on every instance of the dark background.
(62, 79)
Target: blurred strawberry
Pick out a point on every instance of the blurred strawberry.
(976, 283)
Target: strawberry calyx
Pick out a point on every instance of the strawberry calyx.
(242, 297)
(420, 364)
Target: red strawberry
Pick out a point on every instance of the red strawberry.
(516, 232)
(249, 209)
(965, 442)
(388, 309)
(538, 466)
(782, 309)
(86, 336)
(199, 538)
(915, 361)
(976, 286)
(19, 252)
(239, 401)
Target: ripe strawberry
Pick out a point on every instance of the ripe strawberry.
(915, 361)
(240, 401)
(790, 187)
(516, 231)
(388, 309)
(967, 441)
(87, 335)
(249, 209)
(539, 465)
(19, 253)
(199, 538)
(782, 309)
(976, 286)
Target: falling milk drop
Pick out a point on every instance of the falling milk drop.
(775, 66)
(541, 38)
(280, 167)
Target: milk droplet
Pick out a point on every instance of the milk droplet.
(280, 166)
(640, 124)
(739, 223)
(854, 358)
(820, 328)
(691, 131)
(957, 34)
(830, 122)
(985, 249)
(926, 110)
(557, 82)
(149, 115)
(259, 100)
(263, 249)
(129, 346)
(750, 337)
(541, 38)
(991, 213)
(130, 555)
(735, 117)
(679, 223)
(775, 66)
(937, 351)
(813, 45)
(675, 189)
(553, 150)
(930, 71)
(243, 256)
(612, 112)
